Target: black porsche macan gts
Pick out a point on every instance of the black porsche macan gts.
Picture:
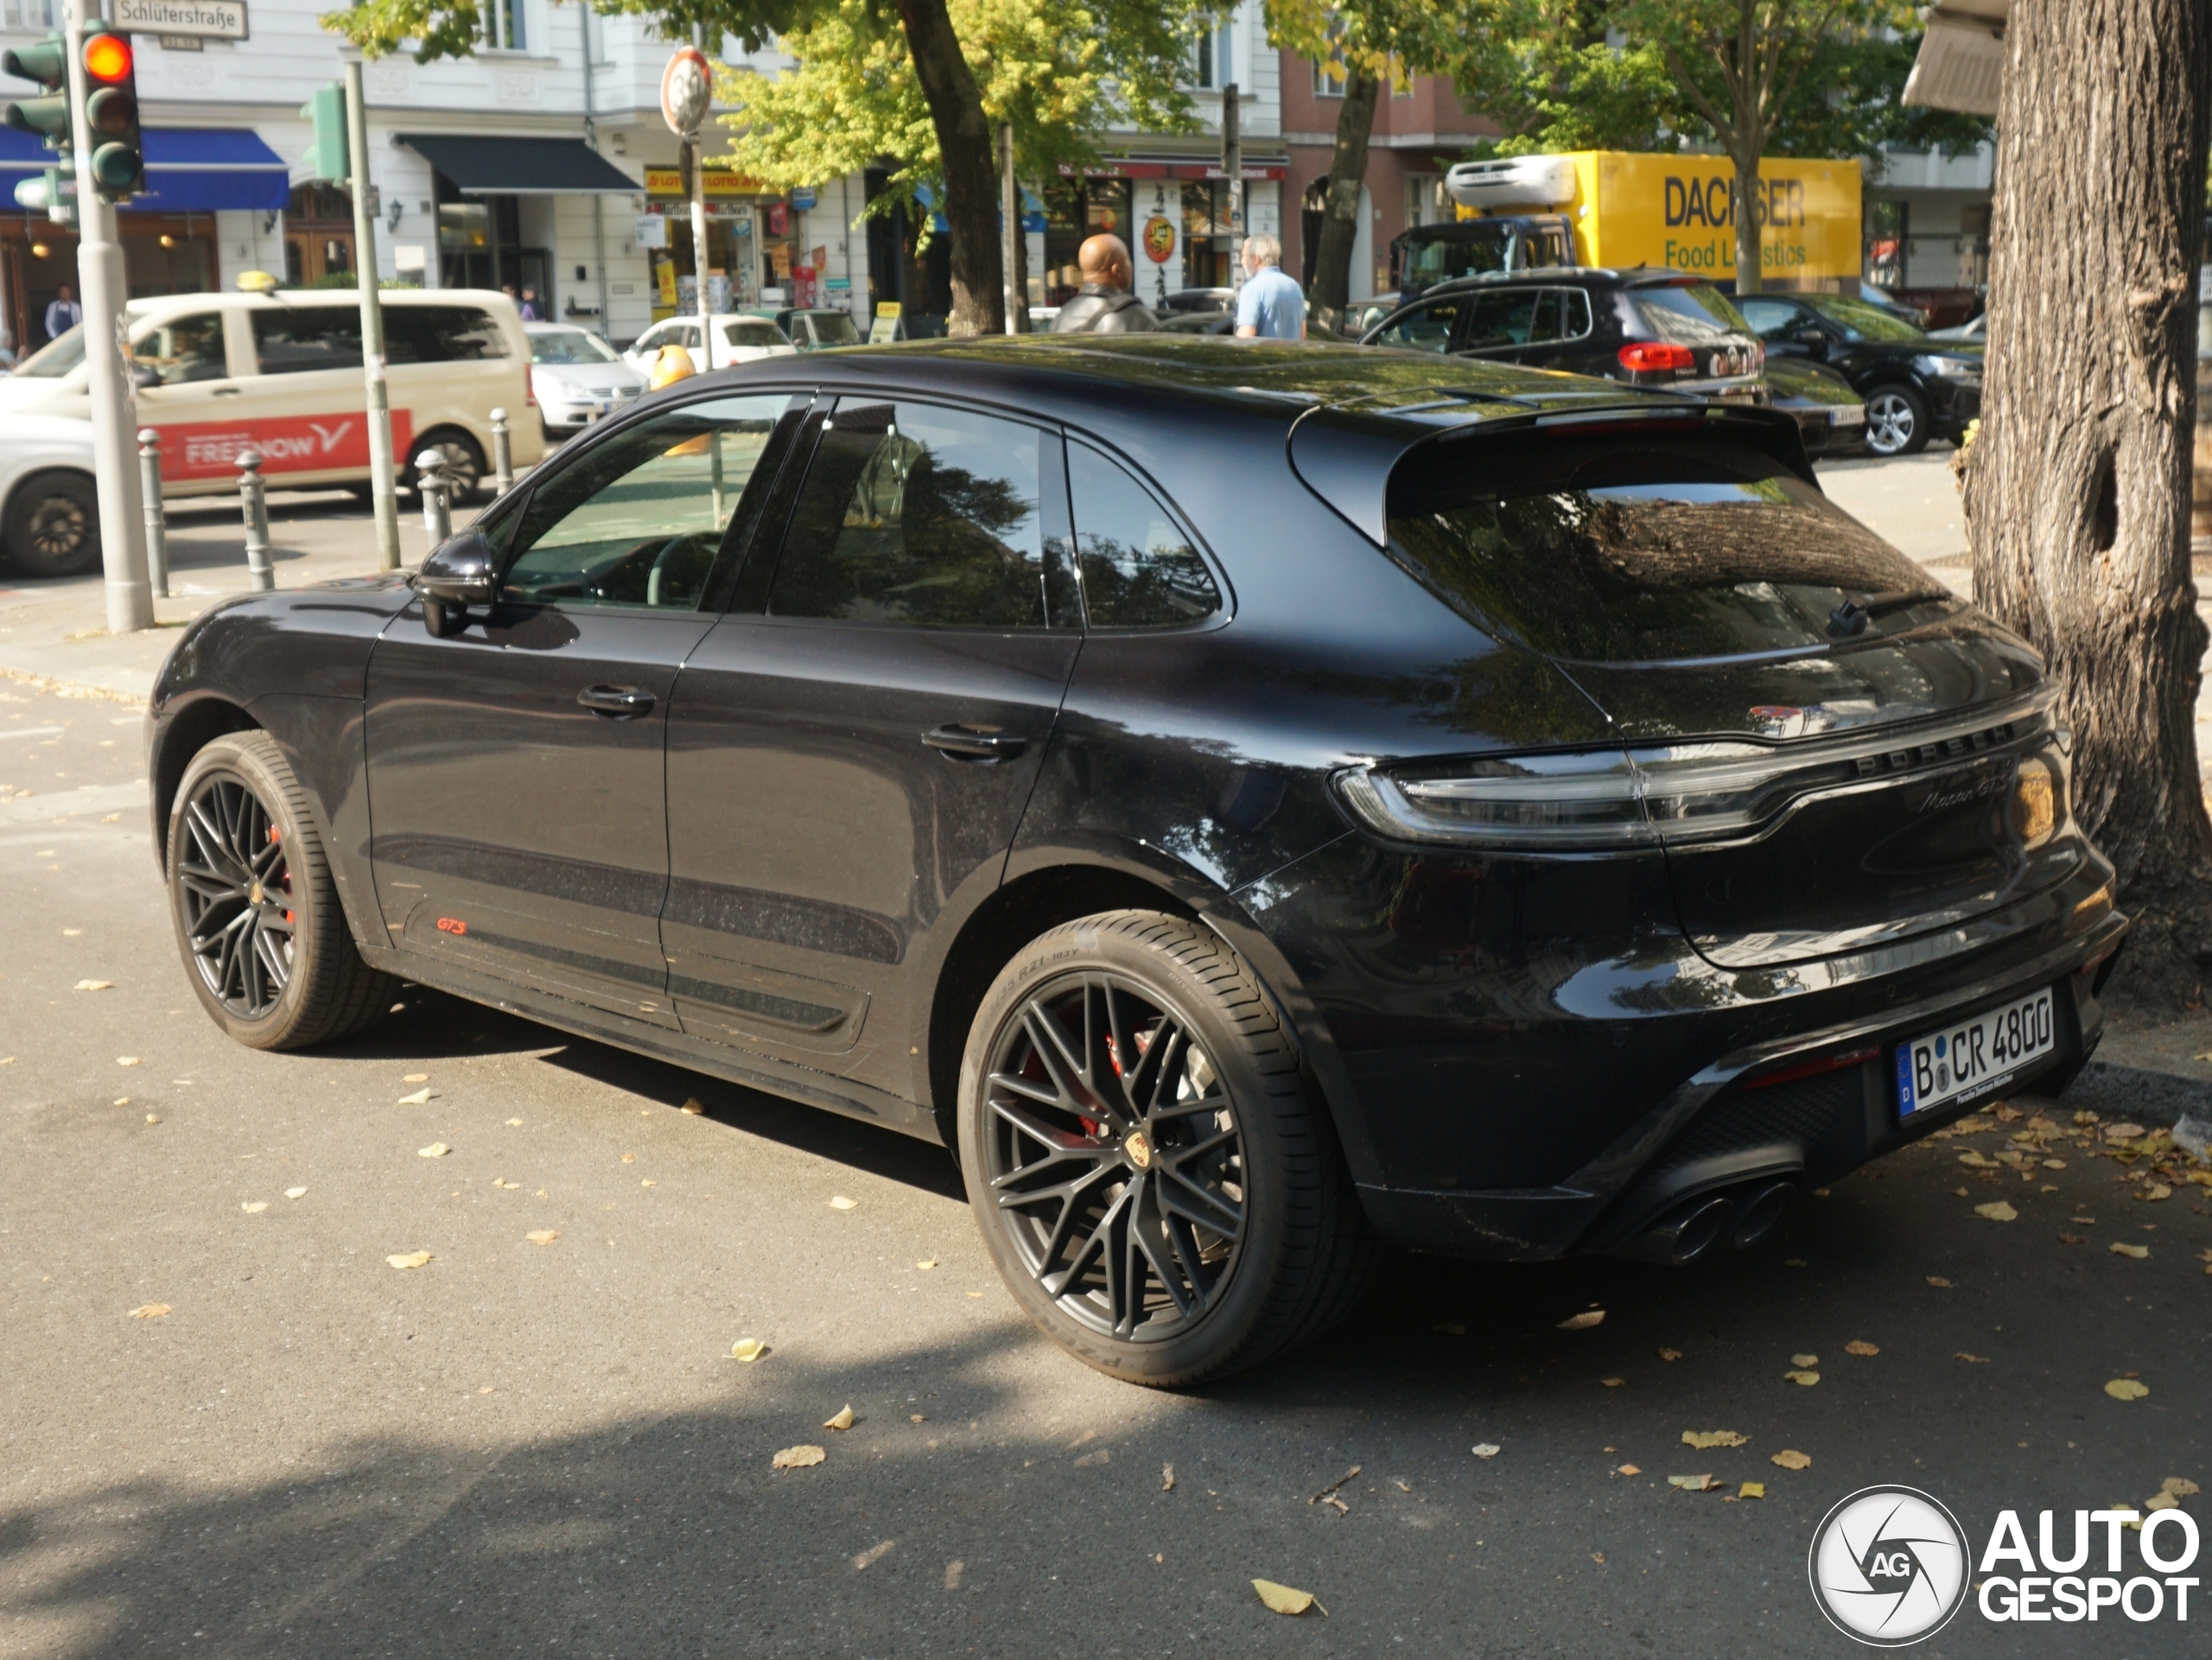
(1247, 801)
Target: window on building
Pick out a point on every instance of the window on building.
(505, 27)
(1329, 78)
(27, 14)
(1217, 57)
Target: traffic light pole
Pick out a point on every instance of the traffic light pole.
(107, 357)
(383, 491)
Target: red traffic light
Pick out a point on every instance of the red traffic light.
(107, 57)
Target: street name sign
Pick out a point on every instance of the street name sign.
(208, 20)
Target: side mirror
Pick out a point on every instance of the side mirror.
(1813, 339)
(460, 571)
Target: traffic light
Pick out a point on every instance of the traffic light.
(327, 155)
(111, 115)
(47, 63)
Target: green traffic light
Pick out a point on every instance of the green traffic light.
(117, 167)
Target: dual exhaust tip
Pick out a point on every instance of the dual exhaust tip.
(1737, 1217)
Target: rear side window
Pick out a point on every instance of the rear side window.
(1498, 321)
(1426, 329)
(1629, 551)
(441, 335)
(918, 514)
(1139, 569)
(1771, 318)
(1693, 314)
(310, 339)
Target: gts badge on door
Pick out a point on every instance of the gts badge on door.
(452, 926)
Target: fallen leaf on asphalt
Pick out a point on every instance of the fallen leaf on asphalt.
(648, 1182)
(541, 1236)
(748, 1349)
(1670, 1354)
(1939, 1282)
(693, 1106)
(2179, 1486)
(1790, 1458)
(2161, 1502)
(1958, 1192)
(415, 1077)
(2123, 1132)
(1583, 1321)
(254, 1206)
(1328, 1494)
(915, 1417)
(1167, 1477)
(1804, 1360)
(1703, 1484)
(420, 1098)
(1630, 1470)
(1752, 1489)
(842, 1421)
(1802, 1379)
(1284, 1600)
(120, 1100)
(435, 1150)
(2054, 1164)
(126, 1060)
(1486, 1449)
(152, 1119)
(295, 1193)
(514, 1123)
(2000, 1211)
(412, 1259)
(875, 1553)
(94, 985)
(1977, 1161)
(1702, 1439)
(2126, 1389)
(1859, 1345)
(2158, 1190)
(629, 1158)
(2139, 1252)
(2068, 1239)
(1612, 1383)
(799, 1458)
(839, 1202)
(926, 1262)
(149, 1311)
(1972, 1359)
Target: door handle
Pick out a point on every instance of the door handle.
(621, 702)
(228, 391)
(984, 743)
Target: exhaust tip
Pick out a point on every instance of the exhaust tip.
(1759, 1213)
(1684, 1235)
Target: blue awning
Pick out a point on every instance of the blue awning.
(188, 169)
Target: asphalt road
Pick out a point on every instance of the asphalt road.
(547, 1448)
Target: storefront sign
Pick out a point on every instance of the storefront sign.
(650, 230)
(210, 449)
(1680, 211)
(1159, 239)
(804, 198)
(209, 19)
(669, 181)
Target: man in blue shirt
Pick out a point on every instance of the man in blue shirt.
(1271, 305)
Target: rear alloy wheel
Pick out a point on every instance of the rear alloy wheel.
(464, 463)
(256, 911)
(1896, 422)
(1157, 1185)
(53, 526)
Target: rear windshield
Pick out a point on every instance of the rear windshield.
(1628, 550)
(834, 328)
(1692, 315)
(1862, 321)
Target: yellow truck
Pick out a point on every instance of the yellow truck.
(1609, 207)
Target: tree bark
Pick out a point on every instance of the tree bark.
(2077, 486)
(1347, 171)
(964, 151)
(1747, 216)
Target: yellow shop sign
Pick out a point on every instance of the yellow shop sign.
(668, 181)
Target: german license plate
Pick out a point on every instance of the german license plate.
(1852, 415)
(1974, 1056)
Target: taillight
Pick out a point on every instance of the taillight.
(1644, 357)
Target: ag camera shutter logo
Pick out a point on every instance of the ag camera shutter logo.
(1889, 1566)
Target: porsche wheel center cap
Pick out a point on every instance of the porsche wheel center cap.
(1139, 1149)
(253, 894)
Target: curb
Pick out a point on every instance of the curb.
(2132, 1092)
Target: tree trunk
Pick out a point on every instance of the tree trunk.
(1347, 171)
(2077, 488)
(964, 149)
(1748, 215)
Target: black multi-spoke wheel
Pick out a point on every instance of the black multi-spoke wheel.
(1158, 1185)
(257, 912)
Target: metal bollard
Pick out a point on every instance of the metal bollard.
(158, 527)
(253, 502)
(502, 454)
(430, 480)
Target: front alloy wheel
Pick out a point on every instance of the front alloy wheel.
(235, 893)
(1895, 423)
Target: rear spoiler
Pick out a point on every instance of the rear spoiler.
(1346, 454)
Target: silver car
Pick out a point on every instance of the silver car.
(578, 378)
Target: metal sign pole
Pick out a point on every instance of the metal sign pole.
(107, 357)
(383, 491)
(699, 251)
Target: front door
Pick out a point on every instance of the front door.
(516, 787)
(850, 766)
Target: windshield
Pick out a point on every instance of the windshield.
(1434, 255)
(753, 331)
(569, 345)
(58, 357)
(1690, 315)
(1633, 551)
(1862, 321)
(834, 328)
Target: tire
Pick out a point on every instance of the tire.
(53, 526)
(258, 923)
(1896, 422)
(464, 461)
(1237, 1215)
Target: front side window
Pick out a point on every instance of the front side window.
(184, 349)
(308, 341)
(1426, 328)
(1139, 569)
(918, 514)
(638, 520)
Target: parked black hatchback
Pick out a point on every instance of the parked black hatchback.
(1917, 388)
(1247, 800)
(1642, 327)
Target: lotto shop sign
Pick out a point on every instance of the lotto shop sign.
(1889, 1567)
(304, 443)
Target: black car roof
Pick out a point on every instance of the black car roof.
(1624, 276)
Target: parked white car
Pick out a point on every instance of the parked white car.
(280, 373)
(579, 379)
(49, 509)
(737, 339)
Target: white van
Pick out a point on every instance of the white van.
(218, 374)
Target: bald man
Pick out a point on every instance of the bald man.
(1107, 303)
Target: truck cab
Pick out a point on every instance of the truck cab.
(1429, 254)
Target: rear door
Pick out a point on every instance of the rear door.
(849, 759)
(303, 406)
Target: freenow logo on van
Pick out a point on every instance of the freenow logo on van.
(304, 443)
